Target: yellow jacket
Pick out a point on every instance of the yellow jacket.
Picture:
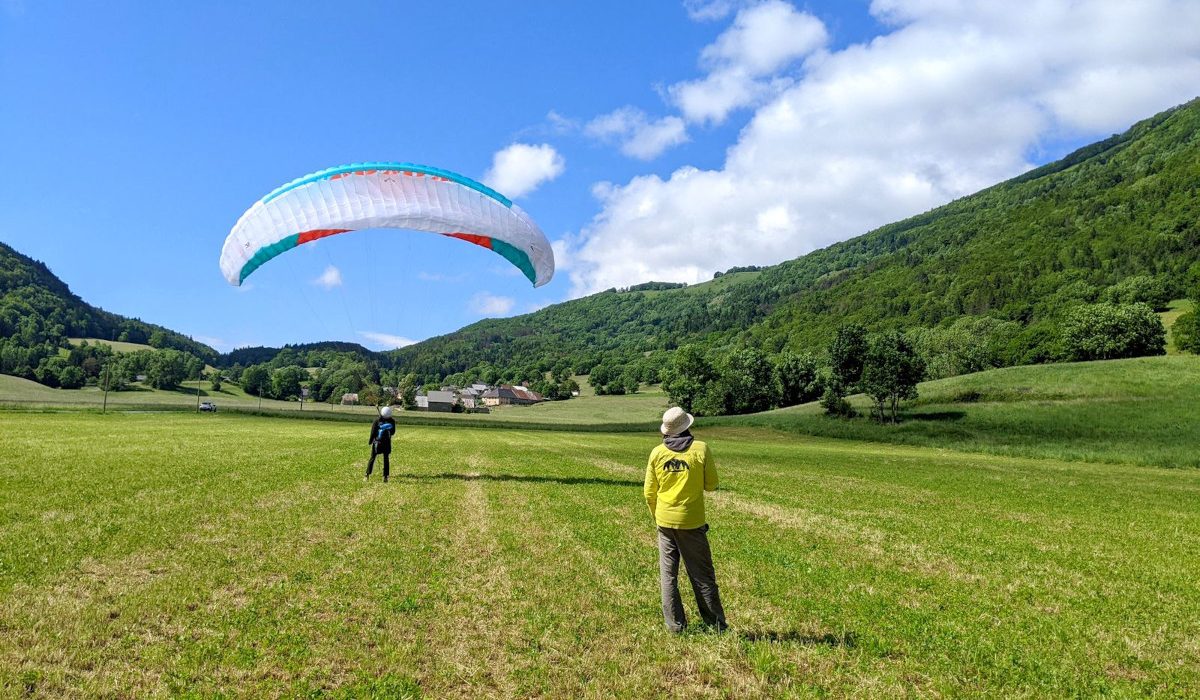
(675, 485)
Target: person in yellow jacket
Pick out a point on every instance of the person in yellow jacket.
(678, 473)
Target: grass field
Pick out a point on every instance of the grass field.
(718, 284)
(116, 345)
(25, 393)
(639, 409)
(220, 555)
(1141, 411)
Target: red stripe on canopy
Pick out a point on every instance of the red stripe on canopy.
(478, 240)
(308, 236)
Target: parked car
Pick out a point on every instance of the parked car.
(208, 406)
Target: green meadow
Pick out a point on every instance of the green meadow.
(586, 410)
(175, 554)
(1137, 411)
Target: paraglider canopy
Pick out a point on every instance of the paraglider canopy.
(385, 195)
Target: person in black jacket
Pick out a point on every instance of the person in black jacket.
(382, 431)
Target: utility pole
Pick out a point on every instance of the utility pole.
(112, 355)
(199, 375)
(104, 406)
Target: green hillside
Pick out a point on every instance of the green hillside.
(37, 307)
(1025, 251)
(1138, 411)
(303, 351)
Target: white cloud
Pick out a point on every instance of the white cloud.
(521, 168)
(330, 278)
(563, 260)
(709, 10)
(489, 304)
(763, 40)
(951, 100)
(561, 124)
(386, 341)
(638, 135)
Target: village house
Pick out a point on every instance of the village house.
(436, 401)
(505, 395)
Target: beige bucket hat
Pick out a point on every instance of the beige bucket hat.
(675, 421)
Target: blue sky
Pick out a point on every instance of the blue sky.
(678, 138)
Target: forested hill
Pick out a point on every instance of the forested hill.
(37, 307)
(301, 351)
(1023, 251)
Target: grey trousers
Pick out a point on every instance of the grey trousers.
(692, 547)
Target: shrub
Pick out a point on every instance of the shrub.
(1186, 332)
(72, 377)
(835, 404)
(1112, 331)
(256, 380)
(1139, 289)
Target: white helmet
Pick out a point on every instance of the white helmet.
(386, 412)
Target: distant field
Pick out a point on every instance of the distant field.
(718, 284)
(116, 345)
(1141, 411)
(17, 392)
(642, 408)
(120, 347)
(149, 557)
(645, 406)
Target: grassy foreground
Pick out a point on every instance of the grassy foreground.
(175, 554)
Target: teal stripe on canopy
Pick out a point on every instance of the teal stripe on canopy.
(410, 167)
(516, 256)
(266, 253)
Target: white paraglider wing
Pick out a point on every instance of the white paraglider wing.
(385, 195)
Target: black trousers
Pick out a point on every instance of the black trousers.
(387, 465)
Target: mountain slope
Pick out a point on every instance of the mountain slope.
(36, 306)
(1023, 250)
